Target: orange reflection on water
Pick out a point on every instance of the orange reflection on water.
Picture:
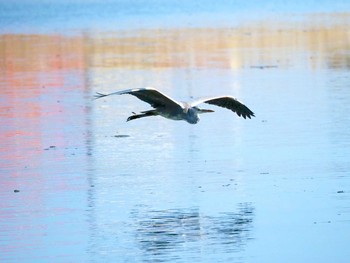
(41, 74)
(41, 53)
(35, 78)
(42, 112)
(323, 38)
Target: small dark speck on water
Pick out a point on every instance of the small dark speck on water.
(324, 222)
(16, 191)
(121, 136)
(264, 66)
(50, 148)
(340, 192)
(264, 173)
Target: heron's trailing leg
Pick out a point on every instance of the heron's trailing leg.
(143, 114)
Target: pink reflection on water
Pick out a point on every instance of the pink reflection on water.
(43, 123)
(36, 80)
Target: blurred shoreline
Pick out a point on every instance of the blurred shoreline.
(325, 38)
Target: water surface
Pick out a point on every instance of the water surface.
(79, 184)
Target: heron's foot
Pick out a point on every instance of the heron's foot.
(99, 95)
(133, 117)
(142, 114)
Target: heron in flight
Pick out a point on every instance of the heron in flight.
(174, 110)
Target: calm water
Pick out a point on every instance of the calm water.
(79, 184)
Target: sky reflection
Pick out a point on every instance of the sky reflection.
(93, 187)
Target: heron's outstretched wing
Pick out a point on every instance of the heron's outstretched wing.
(227, 102)
(149, 95)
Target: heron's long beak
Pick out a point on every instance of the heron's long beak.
(204, 111)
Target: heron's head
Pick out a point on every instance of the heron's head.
(192, 115)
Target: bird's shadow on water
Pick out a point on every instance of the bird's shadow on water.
(182, 233)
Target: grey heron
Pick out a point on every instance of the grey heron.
(174, 110)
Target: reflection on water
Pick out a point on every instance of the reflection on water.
(92, 188)
(163, 234)
(311, 45)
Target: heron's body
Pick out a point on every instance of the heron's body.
(168, 108)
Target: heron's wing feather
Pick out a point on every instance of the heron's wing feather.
(99, 95)
(154, 97)
(227, 102)
(149, 95)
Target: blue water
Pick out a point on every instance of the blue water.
(79, 184)
(72, 16)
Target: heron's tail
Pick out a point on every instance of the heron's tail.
(143, 114)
